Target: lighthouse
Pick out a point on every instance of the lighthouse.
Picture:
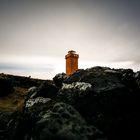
(71, 62)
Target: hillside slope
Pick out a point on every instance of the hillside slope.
(13, 89)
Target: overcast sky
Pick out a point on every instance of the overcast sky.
(35, 36)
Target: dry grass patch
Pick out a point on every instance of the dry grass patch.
(13, 101)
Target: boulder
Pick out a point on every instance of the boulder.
(6, 86)
(128, 79)
(75, 77)
(21, 124)
(31, 93)
(90, 104)
(73, 93)
(59, 78)
(137, 78)
(112, 103)
(19, 127)
(4, 120)
(31, 102)
(63, 122)
(47, 90)
(37, 105)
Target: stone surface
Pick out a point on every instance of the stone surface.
(6, 86)
(137, 78)
(73, 93)
(47, 89)
(59, 78)
(97, 103)
(63, 122)
(31, 102)
(31, 93)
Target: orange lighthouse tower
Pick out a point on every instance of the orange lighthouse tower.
(71, 62)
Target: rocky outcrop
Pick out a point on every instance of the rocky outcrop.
(59, 78)
(4, 120)
(137, 78)
(75, 92)
(92, 104)
(47, 89)
(46, 119)
(6, 86)
(113, 102)
(63, 122)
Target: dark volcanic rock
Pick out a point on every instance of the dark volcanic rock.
(73, 93)
(47, 90)
(137, 78)
(63, 122)
(59, 79)
(113, 102)
(58, 121)
(19, 126)
(44, 118)
(75, 77)
(37, 105)
(14, 126)
(4, 120)
(91, 104)
(31, 93)
(6, 86)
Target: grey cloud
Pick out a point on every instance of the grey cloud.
(99, 30)
(17, 67)
(4, 66)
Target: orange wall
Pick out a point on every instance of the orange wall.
(71, 64)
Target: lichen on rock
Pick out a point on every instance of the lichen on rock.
(31, 102)
(77, 85)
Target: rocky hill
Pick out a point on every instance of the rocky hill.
(13, 89)
(93, 104)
